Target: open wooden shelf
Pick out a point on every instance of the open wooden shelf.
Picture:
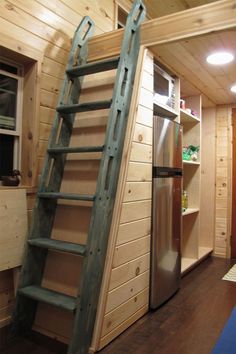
(204, 252)
(163, 110)
(188, 117)
(190, 162)
(189, 211)
(189, 263)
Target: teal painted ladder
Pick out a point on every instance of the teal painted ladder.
(30, 291)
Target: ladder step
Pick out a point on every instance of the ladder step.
(49, 297)
(69, 196)
(70, 150)
(58, 245)
(92, 68)
(84, 107)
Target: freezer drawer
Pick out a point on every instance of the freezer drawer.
(166, 232)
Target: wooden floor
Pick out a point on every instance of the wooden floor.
(188, 324)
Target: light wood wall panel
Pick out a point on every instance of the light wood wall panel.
(128, 260)
(80, 176)
(13, 221)
(223, 181)
(48, 28)
(127, 291)
(208, 177)
(42, 30)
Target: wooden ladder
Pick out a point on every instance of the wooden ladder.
(30, 291)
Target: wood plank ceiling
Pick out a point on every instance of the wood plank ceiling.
(187, 58)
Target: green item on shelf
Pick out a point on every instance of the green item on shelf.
(186, 155)
(193, 148)
(190, 152)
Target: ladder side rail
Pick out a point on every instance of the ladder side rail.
(93, 264)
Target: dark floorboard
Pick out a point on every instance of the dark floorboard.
(189, 323)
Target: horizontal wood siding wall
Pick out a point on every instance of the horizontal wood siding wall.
(45, 28)
(71, 222)
(223, 181)
(128, 291)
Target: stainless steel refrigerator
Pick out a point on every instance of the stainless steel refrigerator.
(166, 211)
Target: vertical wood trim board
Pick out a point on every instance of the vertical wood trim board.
(208, 178)
(223, 181)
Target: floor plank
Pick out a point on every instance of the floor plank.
(189, 323)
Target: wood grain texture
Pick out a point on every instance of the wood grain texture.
(47, 30)
(129, 270)
(13, 218)
(124, 311)
(208, 161)
(131, 288)
(137, 225)
(11, 30)
(222, 233)
(88, 134)
(163, 331)
(135, 210)
(6, 296)
(203, 77)
(223, 182)
(184, 24)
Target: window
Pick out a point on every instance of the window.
(11, 98)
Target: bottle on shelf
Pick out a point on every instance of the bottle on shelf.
(184, 201)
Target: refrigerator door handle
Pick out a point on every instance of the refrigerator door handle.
(166, 172)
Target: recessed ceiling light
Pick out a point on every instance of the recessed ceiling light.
(220, 58)
(233, 88)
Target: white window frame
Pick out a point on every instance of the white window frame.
(17, 132)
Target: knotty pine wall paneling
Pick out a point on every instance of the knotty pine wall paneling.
(48, 28)
(223, 181)
(41, 31)
(208, 178)
(127, 295)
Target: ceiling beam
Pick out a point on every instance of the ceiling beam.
(217, 16)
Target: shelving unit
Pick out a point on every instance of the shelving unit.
(192, 249)
(195, 244)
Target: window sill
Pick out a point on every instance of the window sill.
(29, 189)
